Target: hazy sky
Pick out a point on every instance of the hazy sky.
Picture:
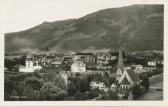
(18, 15)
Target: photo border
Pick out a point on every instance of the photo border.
(90, 103)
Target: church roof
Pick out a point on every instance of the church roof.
(134, 76)
(125, 81)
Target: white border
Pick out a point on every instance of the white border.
(92, 103)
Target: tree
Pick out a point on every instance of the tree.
(82, 96)
(110, 95)
(136, 91)
(142, 76)
(112, 80)
(30, 94)
(72, 88)
(60, 82)
(14, 96)
(78, 74)
(50, 75)
(23, 60)
(94, 93)
(20, 88)
(33, 82)
(50, 91)
(84, 85)
(10, 64)
(146, 83)
(9, 88)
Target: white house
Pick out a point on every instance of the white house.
(57, 63)
(78, 66)
(99, 85)
(137, 66)
(139, 69)
(113, 87)
(30, 66)
(113, 57)
(152, 63)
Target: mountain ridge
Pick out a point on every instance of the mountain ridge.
(137, 28)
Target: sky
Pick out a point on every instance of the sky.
(18, 15)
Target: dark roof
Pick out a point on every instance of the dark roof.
(125, 81)
(134, 76)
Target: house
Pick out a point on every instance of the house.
(30, 66)
(113, 87)
(152, 63)
(76, 57)
(139, 69)
(113, 58)
(99, 85)
(57, 63)
(78, 66)
(137, 66)
(149, 68)
(68, 60)
(100, 58)
(128, 79)
(100, 82)
(86, 57)
(155, 63)
(42, 63)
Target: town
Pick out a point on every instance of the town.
(81, 76)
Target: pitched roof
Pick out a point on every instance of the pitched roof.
(125, 81)
(134, 76)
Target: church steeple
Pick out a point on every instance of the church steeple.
(120, 59)
(120, 65)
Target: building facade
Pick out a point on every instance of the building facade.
(78, 66)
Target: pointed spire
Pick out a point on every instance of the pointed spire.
(120, 59)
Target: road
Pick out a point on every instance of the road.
(153, 93)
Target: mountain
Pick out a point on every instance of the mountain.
(136, 27)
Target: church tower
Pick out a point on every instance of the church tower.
(120, 66)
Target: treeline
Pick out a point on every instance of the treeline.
(51, 86)
(13, 64)
(33, 87)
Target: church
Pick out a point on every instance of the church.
(126, 76)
